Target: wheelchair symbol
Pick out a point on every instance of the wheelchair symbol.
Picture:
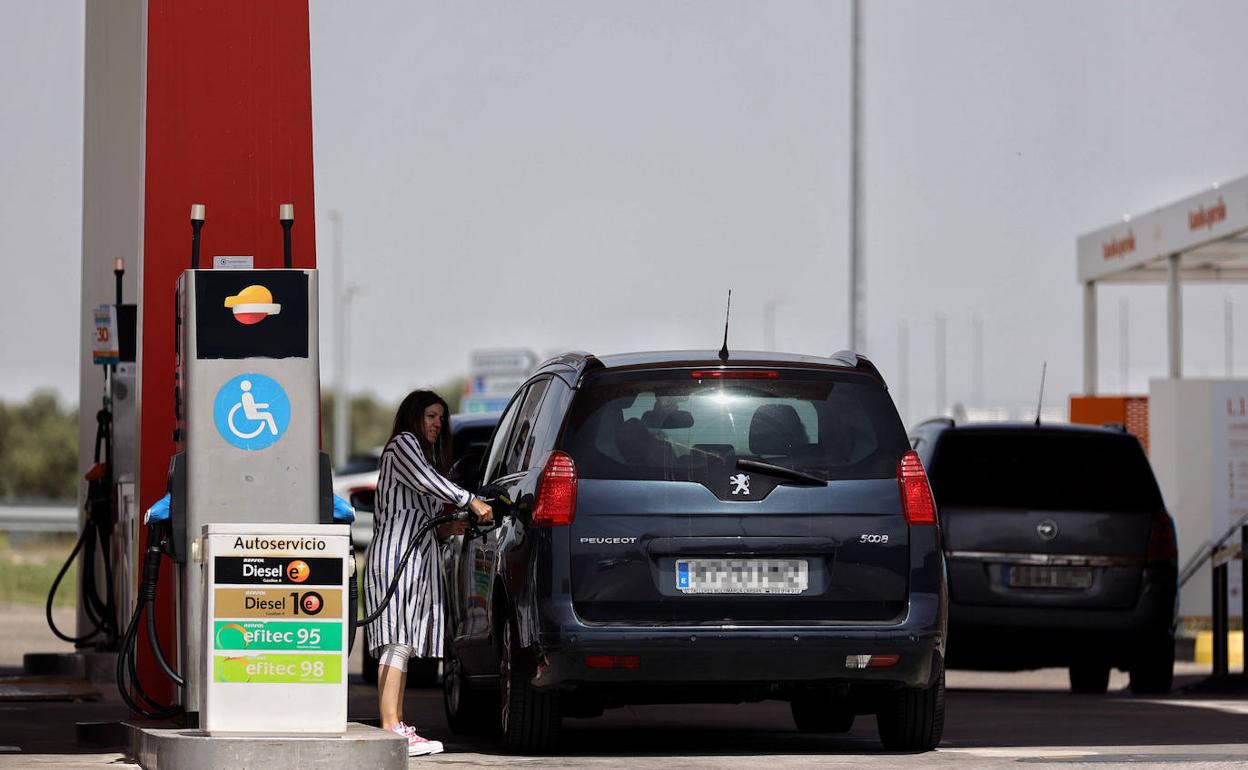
(252, 411)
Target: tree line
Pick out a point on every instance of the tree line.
(39, 440)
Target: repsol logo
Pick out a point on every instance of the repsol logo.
(265, 544)
(608, 540)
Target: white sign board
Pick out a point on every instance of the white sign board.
(105, 344)
(275, 628)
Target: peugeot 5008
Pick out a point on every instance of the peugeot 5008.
(687, 529)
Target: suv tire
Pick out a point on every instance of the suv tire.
(529, 719)
(1153, 673)
(816, 711)
(1089, 678)
(468, 711)
(913, 719)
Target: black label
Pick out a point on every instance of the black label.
(251, 314)
(308, 571)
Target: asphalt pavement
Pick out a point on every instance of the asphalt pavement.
(1021, 720)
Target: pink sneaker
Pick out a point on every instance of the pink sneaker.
(416, 746)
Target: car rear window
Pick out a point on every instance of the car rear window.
(1051, 471)
(670, 425)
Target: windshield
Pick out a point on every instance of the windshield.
(1043, 471)
(669, 425)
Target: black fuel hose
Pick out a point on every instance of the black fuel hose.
(156, 541)
(436, 521)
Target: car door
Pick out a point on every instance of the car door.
(510, 455)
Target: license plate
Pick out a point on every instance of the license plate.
(1031, 576)
(742, 576)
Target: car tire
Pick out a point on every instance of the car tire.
(530, 720)
(1153, 673)
(913, 719)
(468, 711)
(816, 711)
(1089, 678)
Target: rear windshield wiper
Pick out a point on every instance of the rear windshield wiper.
(780, 470)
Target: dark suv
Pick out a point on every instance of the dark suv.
(688, 530)
(1060, 551)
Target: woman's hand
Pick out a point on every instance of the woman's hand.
(483, 513)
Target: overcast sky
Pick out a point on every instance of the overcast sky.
(596, 175)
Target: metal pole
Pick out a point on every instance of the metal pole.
(857, 280)
(1089, 339)
(1174, 316)
(940, 354)
(1221, 624)
(769, 323)
(1229, 335)
(342, 419)
(1124, 346)
(1243, 594)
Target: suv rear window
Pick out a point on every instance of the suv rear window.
(669, 426)
(1054, 471)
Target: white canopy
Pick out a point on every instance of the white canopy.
(1203, 238)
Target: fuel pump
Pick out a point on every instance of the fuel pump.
(114, 351)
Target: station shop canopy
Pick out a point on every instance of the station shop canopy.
(1201, 238)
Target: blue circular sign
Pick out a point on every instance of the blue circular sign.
(251, 411)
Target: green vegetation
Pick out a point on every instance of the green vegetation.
(27, 572)
(38, 449)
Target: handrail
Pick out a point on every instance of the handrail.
(1207, 550)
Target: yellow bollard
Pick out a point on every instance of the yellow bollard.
(1235, 647)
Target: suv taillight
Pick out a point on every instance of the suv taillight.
(556, 492)
(1162, 545)
(916, 495)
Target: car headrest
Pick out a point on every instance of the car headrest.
(775, 429)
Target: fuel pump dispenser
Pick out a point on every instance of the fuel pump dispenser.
(262, 559)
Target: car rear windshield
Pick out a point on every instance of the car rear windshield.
(1043, 471)
(671, 425)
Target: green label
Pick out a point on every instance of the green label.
(277, 635)
(278, 669)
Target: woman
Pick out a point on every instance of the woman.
(411, 490)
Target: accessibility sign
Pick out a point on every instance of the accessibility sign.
(251, 411)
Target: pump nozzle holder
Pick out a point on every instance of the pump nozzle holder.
(286, 215)
(197, 224)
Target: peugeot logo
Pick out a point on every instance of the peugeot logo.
(1047, 529)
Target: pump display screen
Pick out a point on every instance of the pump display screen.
(251, 314)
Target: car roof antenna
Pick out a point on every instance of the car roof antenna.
(1043, 369)
(723, 352)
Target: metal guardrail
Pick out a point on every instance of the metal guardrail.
(1207, 550)
(34, 517)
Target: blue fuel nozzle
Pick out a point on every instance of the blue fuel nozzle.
(159, 511)
(344, 512)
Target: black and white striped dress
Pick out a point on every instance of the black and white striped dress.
(409, 492)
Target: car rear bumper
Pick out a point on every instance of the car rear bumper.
(704, 654)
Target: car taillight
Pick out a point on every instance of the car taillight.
(556, 492)
(916, 495)
(735, 374)
(1162, 545)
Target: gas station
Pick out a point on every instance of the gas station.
(229, 567)
(1193, 429)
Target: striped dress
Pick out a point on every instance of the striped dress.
(409, 492)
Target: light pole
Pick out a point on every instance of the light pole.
(857, 281)
(769, 321)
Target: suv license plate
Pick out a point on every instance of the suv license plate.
(742, 576)
(1031, 576)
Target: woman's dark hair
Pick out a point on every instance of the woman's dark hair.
(408, 420)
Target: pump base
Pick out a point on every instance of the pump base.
(184, 749)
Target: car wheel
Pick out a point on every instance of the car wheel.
(1153, 673)
(468, 711)
(816, 711)
(913, 719)
(529, 719)
(1089, 678)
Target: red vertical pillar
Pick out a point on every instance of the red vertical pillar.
(229, 125)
